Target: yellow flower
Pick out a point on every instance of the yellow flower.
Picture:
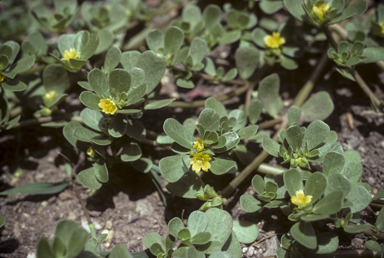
(381, 24)
(91, 152)
(300, 199)
(200, 161)
(2, 77)
(274, 40)
(107, 106)
(71, 53)
(198, 145)
(321, 9)
(50, 95)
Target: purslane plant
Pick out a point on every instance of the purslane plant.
(120, 87)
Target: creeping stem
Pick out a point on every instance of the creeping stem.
(299, 100)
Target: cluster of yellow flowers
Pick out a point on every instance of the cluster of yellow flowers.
(321, 9)
(300, 199)
(274, 40)
(71, 53)
(108, 106)
(200, 160)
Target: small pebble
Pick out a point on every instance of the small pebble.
(44, 204)
(31, 255)
(245, 249)
(250, 251)
(108, 240)
(108, 225)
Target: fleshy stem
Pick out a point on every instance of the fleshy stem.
(46, 119)
(343, 34)
(353, 71)
(299, 100)
(33, 70)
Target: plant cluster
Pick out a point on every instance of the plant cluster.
(91, 46)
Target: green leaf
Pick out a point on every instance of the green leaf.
(197, 222)
(315, 134)
(198, 50)
(353, 171)
(77, 242)
(327, 242)
(333, 163)
(98, 82)
(179, 133)
(269, 95)
(209, 119)
(288, 63)
(88, 179)
(360, 198)
(357, 228)
(373, 246)
(106, 38)
(90, 100)
(220, 225)
(2, 220)
(372, 55)
(143, 165)
(172, 167)
(211, 16)
(153, 238)
(131, 152)
(155, 40)
(129, 59)
(22, 65)
(222, 166)
(86, 43)
(119, 81)
(293, 136)
(352, 10)
(120, 251)
(185, 83)
(241, 119)
(293, 182)
(201, 238)
(315, 186)
(304, 233)
(346, 73)
(258, 184)
(220, 254)
(270, 7)
(152, 65)
(173, 40)
(352, 155)
(87, 135)
(193, 253)
(271, 146)
(232, 246)
(294, 114)
(15, 50)
(246, 132)
(246, 232)
(13, 85)
(380, 220)
(258, 35)
(112, 59)
(38, 188)
(55, 78)
(212, 103)
(338, 182)
(318, 107)
(187, 186)
(158, 104)
(249, 203)
(254, 111)
(101, 171)
(330, 204)
(247, 59)
(43, 249)
(175, 225)
(92, 118)
(328, 147)
(295, 8)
